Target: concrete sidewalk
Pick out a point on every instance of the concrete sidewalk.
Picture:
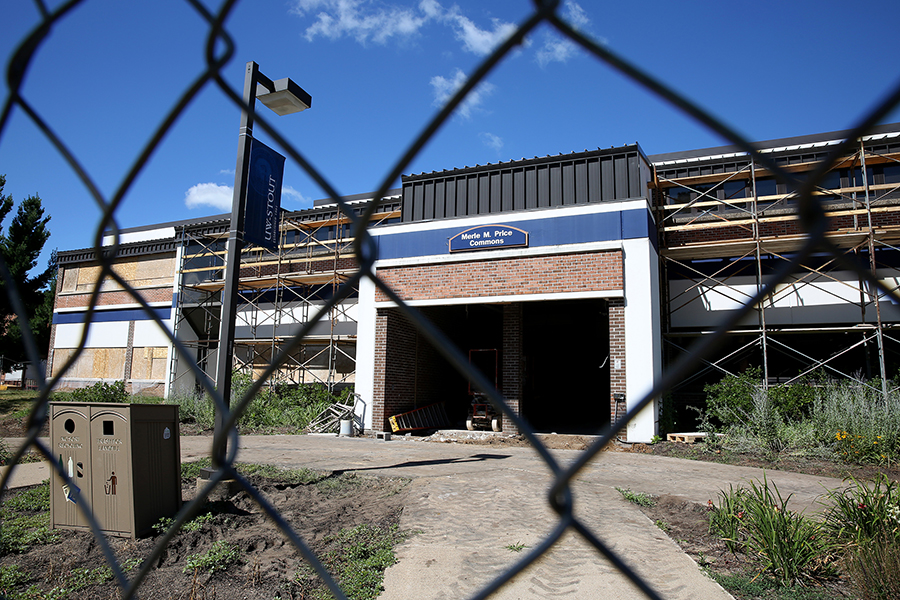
(469, 502)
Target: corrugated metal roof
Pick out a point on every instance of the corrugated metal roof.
(791, 144)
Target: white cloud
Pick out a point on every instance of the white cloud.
(294, 195)
(491, 141)
(444, 89)
(362, 20)
(209, 194)
(560, 49)
(575, 15)
(368, 20)
(476, 40)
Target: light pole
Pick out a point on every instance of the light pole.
(283, 97)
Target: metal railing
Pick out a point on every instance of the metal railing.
(560, 497)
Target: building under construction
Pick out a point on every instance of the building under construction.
(725, 225)
(570, 280)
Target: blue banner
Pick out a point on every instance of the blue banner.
(262, 216)
(488, 237)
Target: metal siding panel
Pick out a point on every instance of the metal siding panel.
(418, 202)
(634, 176)
(593, 180)
(621, 177)
(581, 182)
(506, 191)
(568, 184)
(543, 186)
(556, 188)
(450, 199)
(461, 201)
(531, 188)
(406, 210)
(428, 208)
(439, 187)
(518, 177)
(472, 195)
(495, 192)
(484, 193)
(607, 179)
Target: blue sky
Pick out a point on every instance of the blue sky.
(379, 70)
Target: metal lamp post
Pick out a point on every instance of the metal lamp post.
(283, 97)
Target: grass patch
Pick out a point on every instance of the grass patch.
(639, 498)
(752, 585)
(357, 558)
(289, 476)
(195, 524)
(219, 557)
(517, 547)
(25, 517)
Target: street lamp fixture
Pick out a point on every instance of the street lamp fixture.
(284, 97)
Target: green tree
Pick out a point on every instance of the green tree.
(20, 247)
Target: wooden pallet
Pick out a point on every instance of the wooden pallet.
(432, 416)
(686, 438)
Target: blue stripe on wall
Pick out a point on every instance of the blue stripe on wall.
(108, 316)
(552, 231)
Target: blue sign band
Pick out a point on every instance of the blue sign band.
(488, 237)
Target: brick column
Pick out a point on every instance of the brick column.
(129, 357)
(395, 363)
(513, 358)
(616, 355)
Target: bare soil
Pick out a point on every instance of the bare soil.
(268, 562)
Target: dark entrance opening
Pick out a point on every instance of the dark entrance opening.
(566, 366)
(476, 330)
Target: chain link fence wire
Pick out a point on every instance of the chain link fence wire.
(219, 51)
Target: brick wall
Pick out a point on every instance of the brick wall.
(513, 361)
(616, 352)
(592, 271)
(774, 229)
(395, 359)
(162, 294)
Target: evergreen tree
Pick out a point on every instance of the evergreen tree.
(20, 247)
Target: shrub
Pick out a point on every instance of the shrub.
(195, 408)
(102, 392)
(731, 401)
(282, 406)
(859, 422)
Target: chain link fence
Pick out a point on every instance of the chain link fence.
(559, 497)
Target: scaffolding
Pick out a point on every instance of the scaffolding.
(280, 291)
(725, 223)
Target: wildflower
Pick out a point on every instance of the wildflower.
(710, 505)
(740, 514)
(861, 506)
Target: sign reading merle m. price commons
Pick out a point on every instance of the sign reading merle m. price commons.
(488, 237)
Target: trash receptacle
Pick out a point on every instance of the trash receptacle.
(125, 460)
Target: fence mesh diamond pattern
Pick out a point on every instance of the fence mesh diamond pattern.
(559, 497)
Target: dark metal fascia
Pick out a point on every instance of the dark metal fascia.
(525, 162)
